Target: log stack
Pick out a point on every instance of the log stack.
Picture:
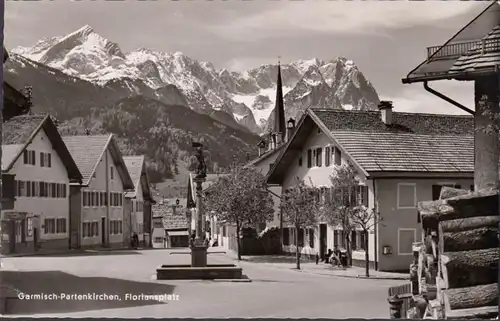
(457, 262)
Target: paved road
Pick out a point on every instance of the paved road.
(274, 292)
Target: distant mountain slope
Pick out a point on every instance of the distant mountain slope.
(164, 133)
(246, 97)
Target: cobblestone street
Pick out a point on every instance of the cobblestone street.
(274, 291)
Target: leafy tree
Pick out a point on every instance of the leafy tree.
(344, 208)
(240, 198)
(300, 208)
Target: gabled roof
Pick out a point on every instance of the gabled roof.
(440, 64)
(264, 156)
(136, 166)
(414, 143)
(18, 133)
(88, 152)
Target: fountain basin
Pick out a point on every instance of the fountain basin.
(188, 272)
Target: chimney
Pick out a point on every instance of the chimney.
(385, 108)
(290, 128)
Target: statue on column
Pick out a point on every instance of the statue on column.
(201, 171)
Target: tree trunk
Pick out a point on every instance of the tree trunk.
(472, 297)
(468, 268)
(238, 245)
(469, 223)
(475, 239)
(297, 248)
(367, 255)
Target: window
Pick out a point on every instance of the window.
(90, 229)
(53, 190)
(337, 156)
(319, 157)
(101, 198)
(158, 239)
(327, 156)
(112, 172)
(300, 161)
(309, 158)
(301, 237)
(50, 226)
(61, 225)
(21, 188)
(311, 238)
(45, 159)
(29, 157)
(28, 189)
(406, 237)
(472, 188)
(286, 236)
(407, 195)
(43, 191)
(29, 226)
(116, 227)
(292, 236)
(35, 189)
(363, 195)
(354, 240)
(362, 240)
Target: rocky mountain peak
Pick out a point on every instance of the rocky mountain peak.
(335, 83)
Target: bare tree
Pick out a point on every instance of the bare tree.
(345, 208)
(240, 198)
(300, 209)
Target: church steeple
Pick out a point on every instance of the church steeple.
(279, 110)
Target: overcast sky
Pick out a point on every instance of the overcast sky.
(385, 39)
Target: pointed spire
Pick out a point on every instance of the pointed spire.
(279, 109)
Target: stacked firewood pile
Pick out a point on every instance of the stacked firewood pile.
(455, 269)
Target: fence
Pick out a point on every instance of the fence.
(404, 292)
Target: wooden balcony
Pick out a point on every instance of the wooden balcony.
(455, 50)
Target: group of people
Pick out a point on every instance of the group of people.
(337, 257)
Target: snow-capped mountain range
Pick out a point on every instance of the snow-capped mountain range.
(247, 96)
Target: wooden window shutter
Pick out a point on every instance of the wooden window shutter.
(25, 157)
(41, 160)
(49, 160)
(319, 157)
(327, 156)
(309, 158)
(33, 157)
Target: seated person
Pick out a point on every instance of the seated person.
(327, 256)
(335, 257)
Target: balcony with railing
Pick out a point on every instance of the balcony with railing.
(455, 50)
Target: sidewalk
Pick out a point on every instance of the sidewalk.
(307, 266)
(63, 252)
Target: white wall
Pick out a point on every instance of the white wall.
(264, 166)
(44, 207)
(320, 177)
(89, 214)
(138, 214)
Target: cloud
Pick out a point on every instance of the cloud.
(341, 16)
(415, 99)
